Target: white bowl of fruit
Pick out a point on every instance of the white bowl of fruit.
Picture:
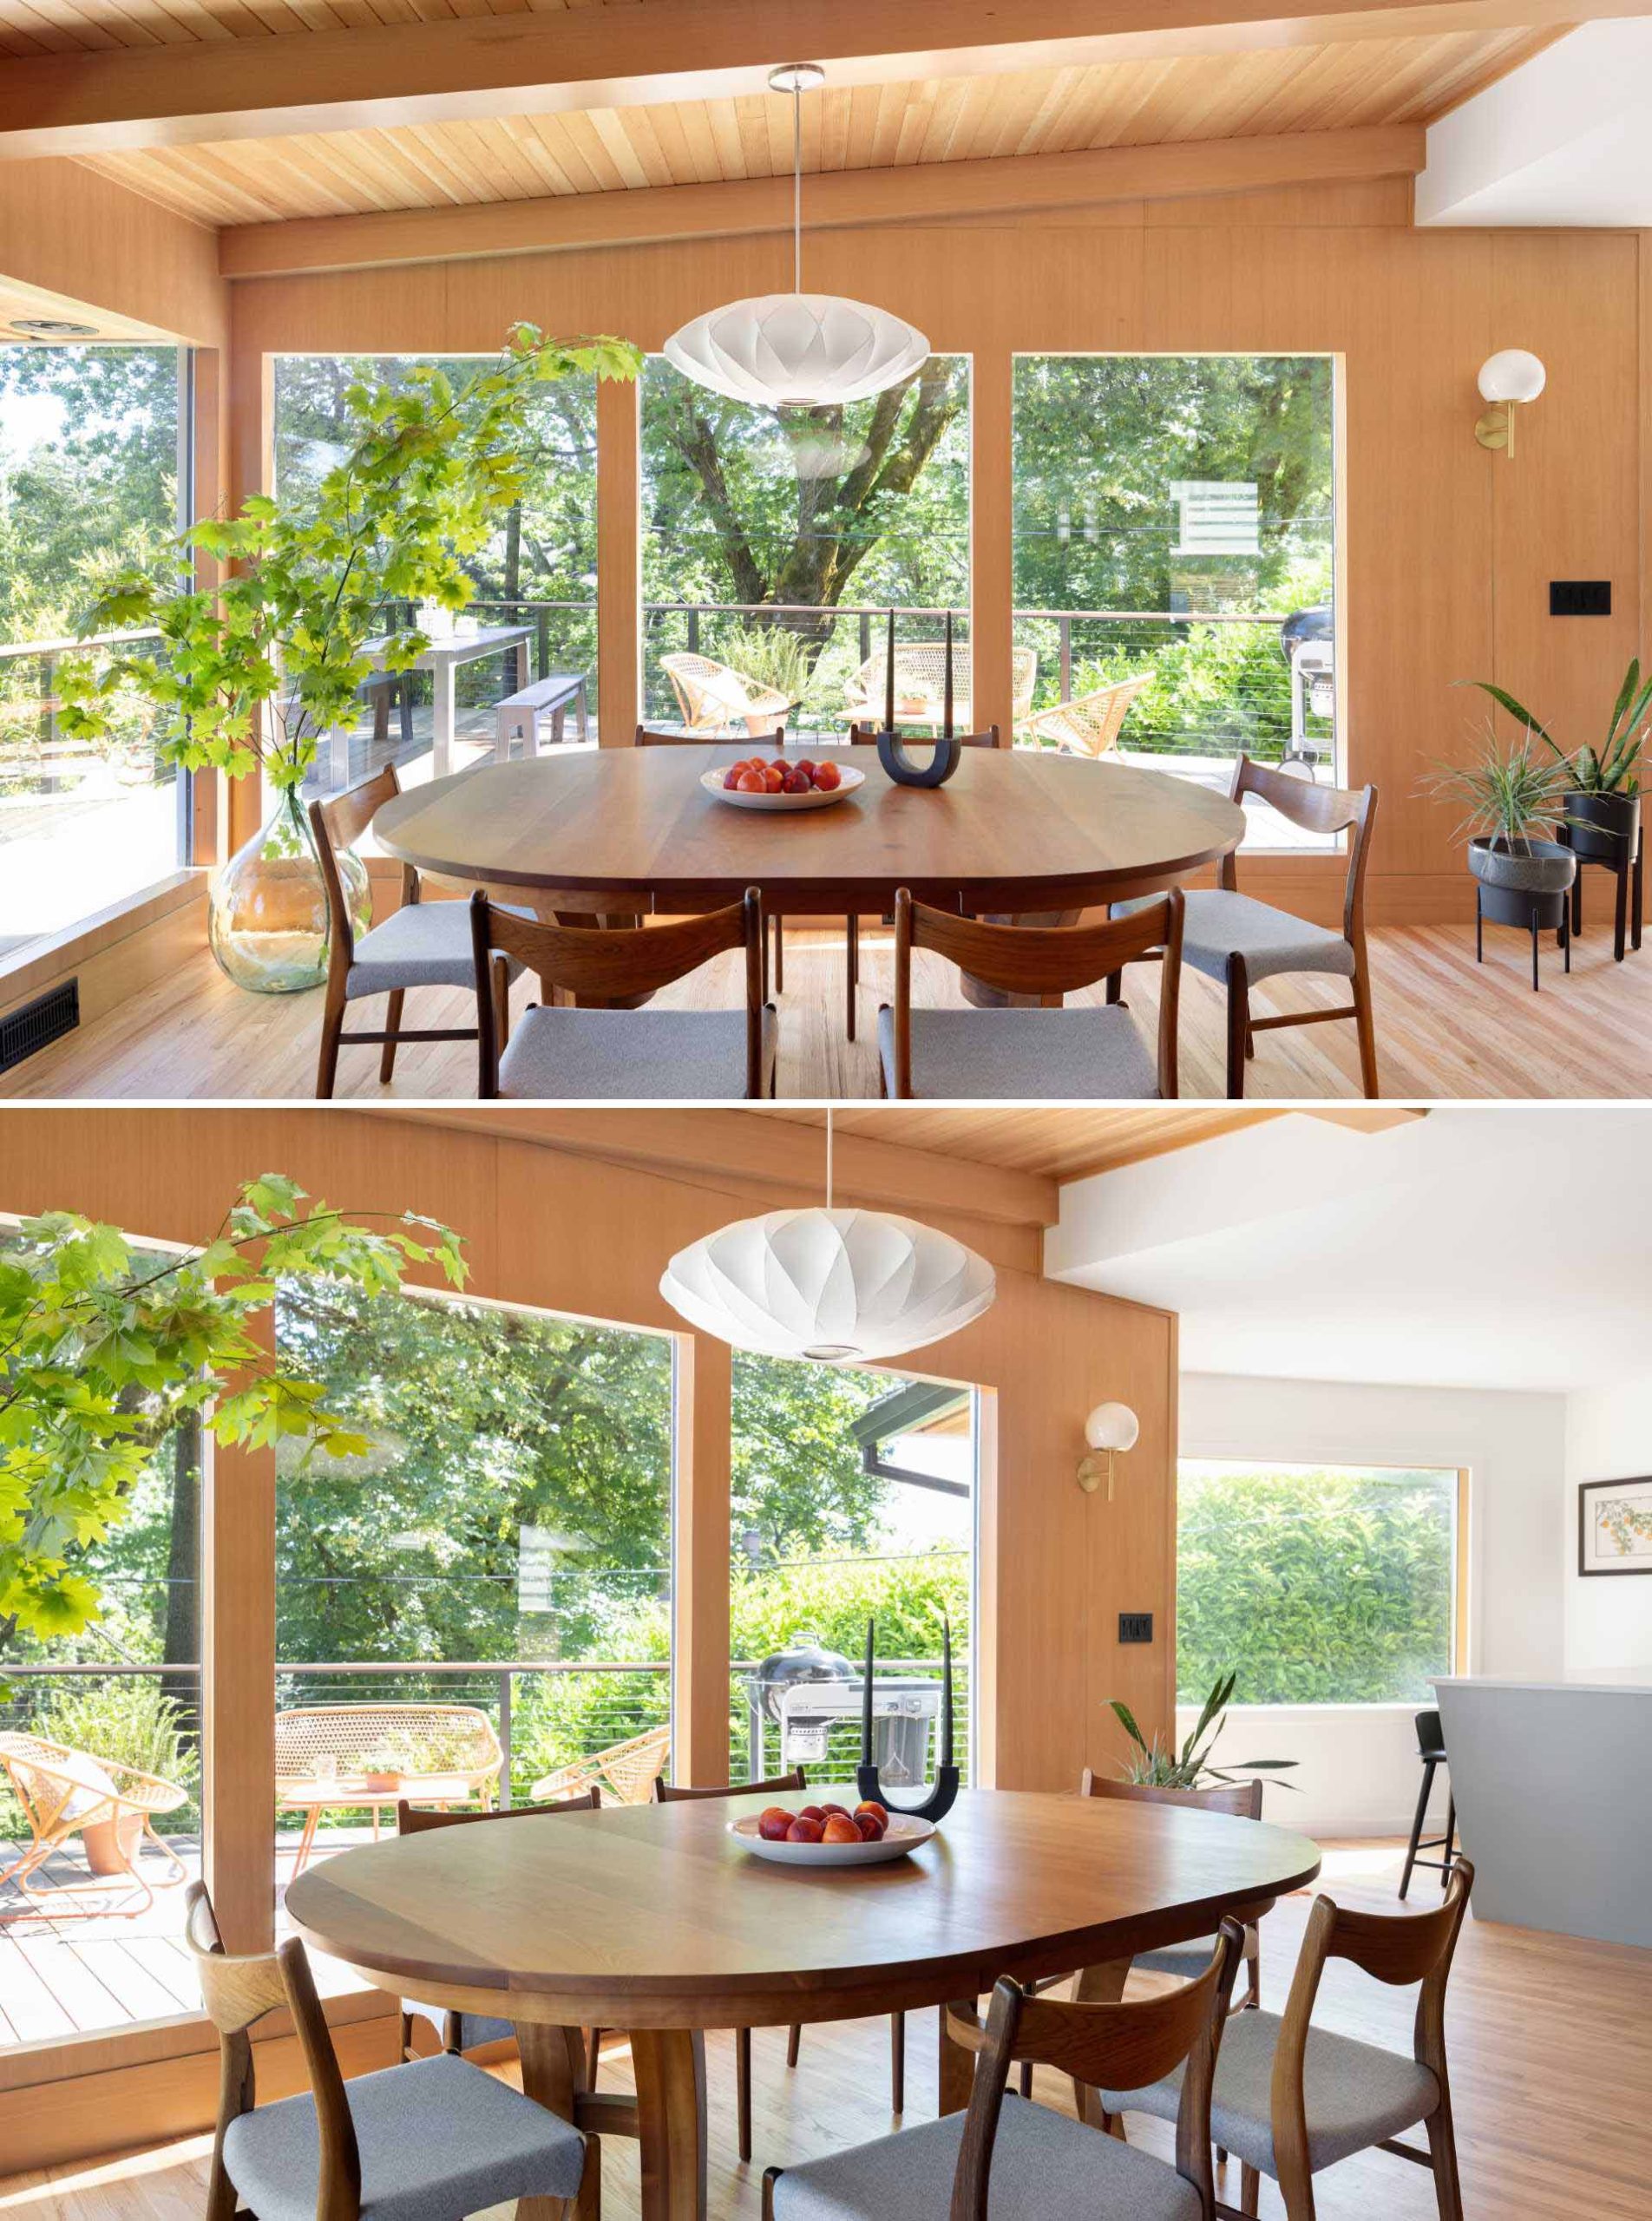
(830, 1835)
(783, 782)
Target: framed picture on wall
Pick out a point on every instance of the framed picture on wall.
(1615, 1526)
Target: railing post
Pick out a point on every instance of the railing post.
(542, 642)
(693, 632)
(504, 1741)
(865, 637)
(1063, 632)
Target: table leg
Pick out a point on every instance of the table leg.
(441, 717)
(339, 753)
(521, 666)
(553, 2072)
(957, 2065)
(670, 2065)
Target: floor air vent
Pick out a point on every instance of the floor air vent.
(47, 1018)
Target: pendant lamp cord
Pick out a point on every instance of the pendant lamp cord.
(797, 189)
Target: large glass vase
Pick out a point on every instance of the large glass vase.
(267, 921)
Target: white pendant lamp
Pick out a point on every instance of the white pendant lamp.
(841, 1286)
(796, 350)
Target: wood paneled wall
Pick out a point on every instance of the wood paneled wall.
(1449, 549)
(570, 1233)
(80, 238)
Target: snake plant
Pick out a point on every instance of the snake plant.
(1162, 1766)
(1614, 766)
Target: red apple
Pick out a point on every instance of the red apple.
(841, 1829)
(803, 1830)
(751, 783)
(878, 1812)
(797, 781)
(813, 1812)
(827, 778)
(868, 1829)
(772, 1823)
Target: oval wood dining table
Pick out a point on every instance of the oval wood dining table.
(1014, 831)
(649, 1918)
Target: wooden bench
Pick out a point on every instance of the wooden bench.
(335, 1756)
(551, 697)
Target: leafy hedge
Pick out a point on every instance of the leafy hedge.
(1315, 1585)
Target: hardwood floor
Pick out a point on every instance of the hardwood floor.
(1446, 1028)
(1551, 2044)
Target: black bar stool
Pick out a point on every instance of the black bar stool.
(1430, 1749)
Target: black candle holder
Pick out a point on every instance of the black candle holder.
(943, 1793)
(943, 761)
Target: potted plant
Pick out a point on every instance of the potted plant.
(259, 667)
(1601, 797)
(1161, 1766)
(1511, 795)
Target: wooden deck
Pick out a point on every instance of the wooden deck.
(83, 1976)
(1550, 2047)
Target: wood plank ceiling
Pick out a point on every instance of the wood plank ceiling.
(599, 150)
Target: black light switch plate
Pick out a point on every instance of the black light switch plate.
(1580, 597)
(1134, 1627)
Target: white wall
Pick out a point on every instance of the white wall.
(1608, 1616)
(1357, 1772)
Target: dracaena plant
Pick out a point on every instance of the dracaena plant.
(1611, 766)
(256, 669)
(1508, 794)
(105, 1348)
(1159, 1764)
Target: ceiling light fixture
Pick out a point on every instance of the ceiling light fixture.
(51, 327)
(796, 350)
(841, 1286)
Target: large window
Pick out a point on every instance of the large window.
(773, 539)
(483, 1602)
(94, 475)
(1174, 521)
(539, 571)
(1317, 1584)
(93, 1942)
(853, 1497)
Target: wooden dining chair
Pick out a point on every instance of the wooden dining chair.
(781, 1785)
(460, 2031)
(1241, 1798)
(1239, 942)
(589, 1053)
(1003, 2156)
(1292, 2099)
(1082, 1054)
(430, 2140)
(420, 945)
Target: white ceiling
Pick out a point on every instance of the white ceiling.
(1564, 139)
(1474, 1249)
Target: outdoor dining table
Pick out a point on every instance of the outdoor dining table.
(651, 1919)
(619, 830)
(441, 659)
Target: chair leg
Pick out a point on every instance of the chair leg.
(780, 956)
(1115, 987)
(1364, 1020)
(1249, 2190)
(586, 2203)
(501, 975)
(852, 949)
(392, 1025)
(1238, 1027)
(897, 2062)
(794, 2042)
(1416, 1823)
(1026, 2077)
(1442, 2146)
(1451, 1838)
(332, 1025)
(743, 2091)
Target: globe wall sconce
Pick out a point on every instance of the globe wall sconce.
(1109, 1429)
(1509, 382)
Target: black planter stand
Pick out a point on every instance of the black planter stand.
(1514, 906)
(1622, 852)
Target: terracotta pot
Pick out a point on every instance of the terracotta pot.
(381, 1785)
(112, 1845)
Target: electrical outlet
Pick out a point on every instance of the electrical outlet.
(1134, 1627)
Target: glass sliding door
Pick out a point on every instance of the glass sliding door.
(537, 572)
(774, 540)
(481, 1607)
(95, 450)
(854, 1497)
(1175, 534)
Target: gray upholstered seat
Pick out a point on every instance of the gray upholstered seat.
(474, 2028)
(1357, 2093)
(1220, 925)
(1010, 1053)
(571, 1055)
(1187, 1961)
(1045, 2164)
(421, 945)
(438, 2139)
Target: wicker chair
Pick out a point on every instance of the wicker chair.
(1088, 725)
(334, 1756)
(629, 1769)
(920, 686)
(712, 697)
(63, 1792)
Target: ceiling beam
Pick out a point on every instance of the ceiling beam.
(916, 193)
(480, 66)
